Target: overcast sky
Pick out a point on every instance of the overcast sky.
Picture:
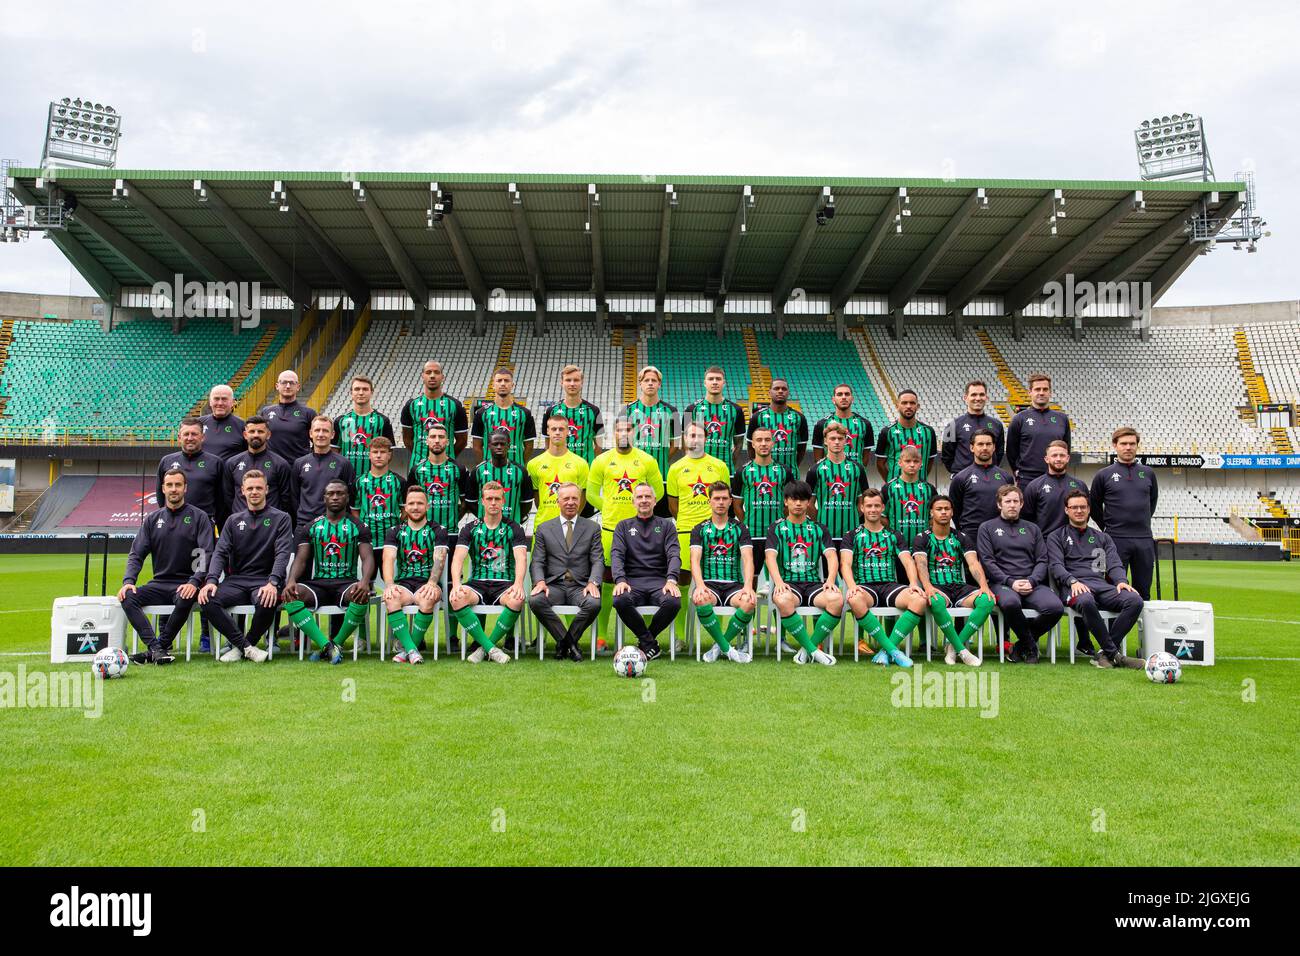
(968, 90)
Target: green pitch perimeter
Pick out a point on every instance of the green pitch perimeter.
(537, 763)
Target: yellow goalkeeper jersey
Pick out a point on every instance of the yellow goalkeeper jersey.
(611, 479)
(688, 481)
(548, 473)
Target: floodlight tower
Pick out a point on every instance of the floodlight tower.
(81, 133)
(1172, 148)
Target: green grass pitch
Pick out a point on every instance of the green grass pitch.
(558, 763)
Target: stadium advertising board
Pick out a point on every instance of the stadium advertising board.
(1252, 461)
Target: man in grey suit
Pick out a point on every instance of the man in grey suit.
(568, 567)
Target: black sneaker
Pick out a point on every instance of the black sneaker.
(161, 655)
(1102, 661)
(651, 649)
(1031, 656)
(1012, 656)
(1085, 650)
(141, 658)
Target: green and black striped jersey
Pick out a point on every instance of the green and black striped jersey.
(379, 501)
(945, 558)
(585, 426)
(421, 412)
(907, 506)
(416, 548)
(759, 489)
(654, 429)
(352, 434)
(789, 434)
(860, 435)
(875, 555)
(519, 488)
(835, 487)
(491, 550)
(720, 548)
(800, 549)
(444, 483)
(722, 422)
(894, 438)
(335, 547)
(517, 420)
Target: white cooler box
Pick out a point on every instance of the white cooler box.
(1184, 629)
(81, 627)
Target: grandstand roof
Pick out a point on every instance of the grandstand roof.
(637, 241)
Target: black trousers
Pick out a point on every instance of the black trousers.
(157, 592)
(1106, 597)
(565, 593)
(240, 590)
(649, 593)
(1013, 607)
(1138, 555)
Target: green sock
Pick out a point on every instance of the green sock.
(904, 626)
(739, 621)
(794, 625)
(504, 623)
(304, 621)
(469, 621)
(352, 618)
(826, 623)
(939, 608)
(712, 625)
(876, 631)
(401, 633)
(420, 626)
(984, 606)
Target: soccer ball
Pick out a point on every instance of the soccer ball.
(630, 661)
(1163, 668)
(110, 662)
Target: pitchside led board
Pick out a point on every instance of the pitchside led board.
(81, 627)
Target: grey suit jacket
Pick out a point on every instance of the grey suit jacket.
(585, 559)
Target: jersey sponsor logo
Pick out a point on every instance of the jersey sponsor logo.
(437, 485)
(764, 487)
(699, 486)
(838, 487)
(799, 547)
(553, 486)
(415, 554)
(874, 550)
(625, 483)
(360, 439)
(945, 560)
(780, 434)
(490, 553)
(720, 549)
(333, 548)
(713, 426)
(378, 499)
(911, 506)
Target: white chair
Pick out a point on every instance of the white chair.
(884, 613)
(804, 612)
(158, 612)
(647, 610)
(1053, 636)
(411, 610)
(958, 614)
(488, 610)
(1071, 616)
(694, 629)
(334, 610)
(563, 610)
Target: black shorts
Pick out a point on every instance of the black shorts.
(411, 584)
(807, 591)
(956, 593)
(489, 592)
(324, 593)
(724, 591)
(883, 593)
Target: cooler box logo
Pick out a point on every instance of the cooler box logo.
(1185, 648)
(87, 642)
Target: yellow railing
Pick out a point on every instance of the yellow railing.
(258, 392)
(342, 361)
(96, 435)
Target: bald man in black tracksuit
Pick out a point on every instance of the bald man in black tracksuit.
(1012, 552)
(1031, 431)
(1123, 499)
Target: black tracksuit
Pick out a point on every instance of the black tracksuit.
(205, 481)
(223, 437)
(254, 549)
(645, 554)
(307, 480)
(956, 452)
(278, 474)
(180, 543)
(974, 494)
(1011, 551)
(290, 428)
(1045, 500)
(1089, 557)
(1030, 433)
(1123, 501)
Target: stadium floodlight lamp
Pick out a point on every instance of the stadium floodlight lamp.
(120, 190)
(81, 133)
(358, 191)
(200, 191)
(516, 198)
(1173, 147)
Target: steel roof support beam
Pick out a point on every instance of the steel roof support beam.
(191, 248)
(1031, 286)
(728, 267)
(973, 282)
(90, 269)
(339, 268)
(529, 249)
(145, 264)
(919, 270)
(284, 276)
(597, 254)
(665, 231)
(412, 282)
(465, 259)
(1173, 267)
(794, 259)
(1133, 257)
(848, 281)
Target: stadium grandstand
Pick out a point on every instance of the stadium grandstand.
(882, 284)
